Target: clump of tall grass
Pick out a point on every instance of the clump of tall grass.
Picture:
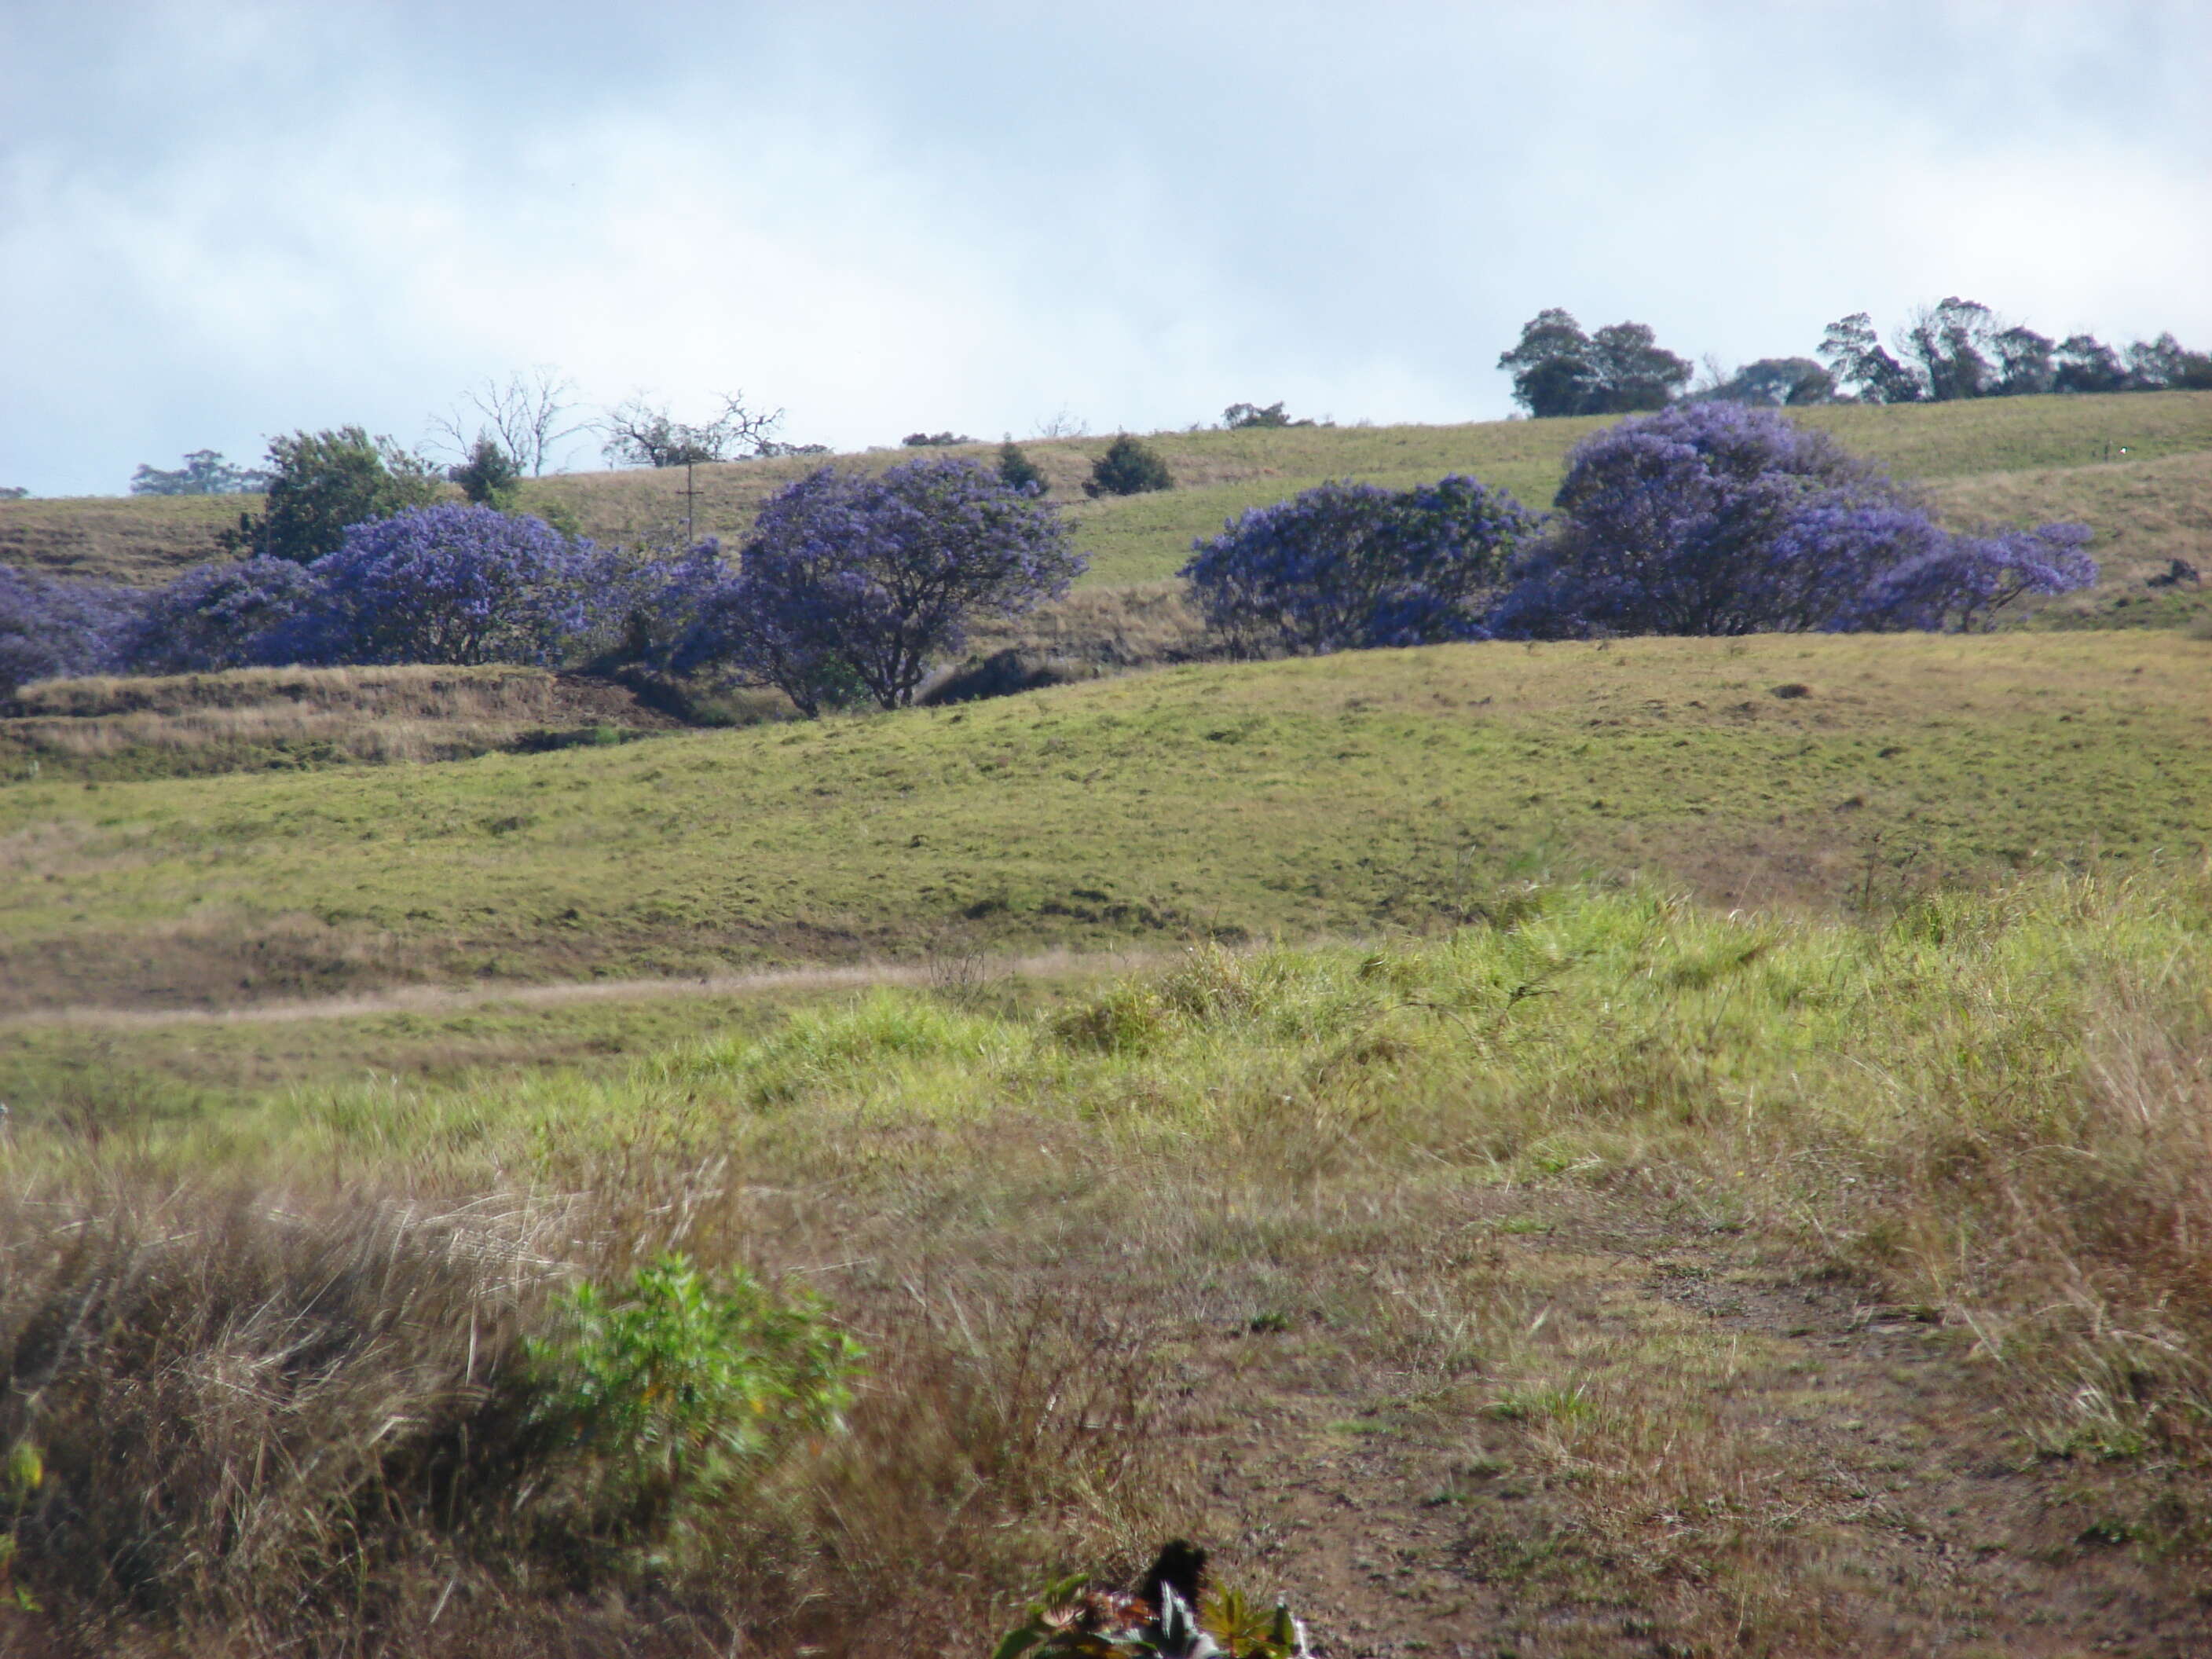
(310, 1420)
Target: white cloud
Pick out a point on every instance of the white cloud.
(219, 221)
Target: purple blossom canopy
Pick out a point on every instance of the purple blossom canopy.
(218, 616)
(52, 630)
(1716, 518)
(1344, 566)
(449, 584)
(855, 584)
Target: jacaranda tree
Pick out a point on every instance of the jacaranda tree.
(51, 630)
(1345, 566)
(223, 615)
(854, 583)
(449, 584)
(1715, 518)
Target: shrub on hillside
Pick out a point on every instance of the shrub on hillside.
(1346, 566)
(1127, 468)
(1018, 471)
(677, 1387)
(449, 584)
(490, 476)
(1717, 517)
(853, 584)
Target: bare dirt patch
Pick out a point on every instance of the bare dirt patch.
(1691, 1450)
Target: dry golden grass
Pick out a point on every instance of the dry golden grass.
(399, 692)
(246, 718)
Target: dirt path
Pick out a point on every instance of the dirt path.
(1692, 1454)
(438, 998)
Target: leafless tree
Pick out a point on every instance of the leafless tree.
(523, 416)
(641, 433)
(1065, 423)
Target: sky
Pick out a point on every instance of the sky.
(223, 221)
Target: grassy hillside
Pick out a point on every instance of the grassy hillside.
(132, 538)
(1365, 791)
(174, 726)
(1219, 474)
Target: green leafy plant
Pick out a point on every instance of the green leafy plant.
(680, 1384)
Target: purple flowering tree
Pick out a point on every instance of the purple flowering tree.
(854, 585)
(1715, 518)
(1960, 582)
(54, 630)
(223, 615)
(1346, 566)
(448, 584)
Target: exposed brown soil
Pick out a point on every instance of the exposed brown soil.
(1842, 1483)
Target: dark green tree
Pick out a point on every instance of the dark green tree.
(1551, 365)
(1855, 354)
(1127, 468)
(1018, 471)
(2086, 363)
(489, 478)
(1795, 382)
(1621, 369)
(321, 481)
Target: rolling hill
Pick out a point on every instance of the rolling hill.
(1373, 790)
(2137, 468)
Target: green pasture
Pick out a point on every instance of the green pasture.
(1369, 791)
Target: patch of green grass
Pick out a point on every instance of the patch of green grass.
(1379, 790)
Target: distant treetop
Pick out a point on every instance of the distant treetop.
(203, 473)
(1959, 348)
(1237, 416)
(1560, 370)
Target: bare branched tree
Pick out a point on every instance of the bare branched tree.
(523, 416)
(1062, 423)
(642, 434)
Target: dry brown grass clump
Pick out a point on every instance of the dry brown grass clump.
(156, 725)
(309, 1420)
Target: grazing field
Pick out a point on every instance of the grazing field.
(1608, 1276)
(1374, 790)
(1661, 1146)
(1219, 474)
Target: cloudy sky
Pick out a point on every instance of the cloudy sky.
(223, 220)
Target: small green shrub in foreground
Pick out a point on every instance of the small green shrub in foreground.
(671, 1390)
